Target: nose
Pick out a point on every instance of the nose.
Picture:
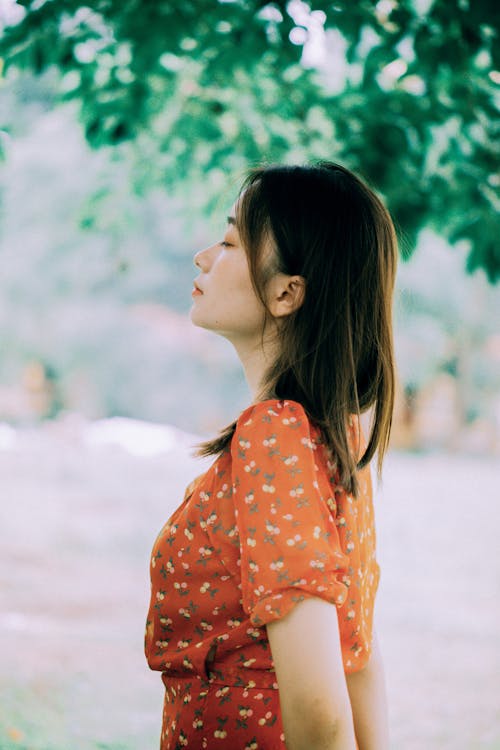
(202, 259)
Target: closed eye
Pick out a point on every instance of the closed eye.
(225, 244)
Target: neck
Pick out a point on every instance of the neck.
(256, 358)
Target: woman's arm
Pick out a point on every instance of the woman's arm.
(314, 699)
(369, 703)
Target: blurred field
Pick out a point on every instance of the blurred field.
(78, 518)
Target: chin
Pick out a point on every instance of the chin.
(196, 318)
(193, 316)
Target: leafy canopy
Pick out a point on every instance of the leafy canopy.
(405, 94)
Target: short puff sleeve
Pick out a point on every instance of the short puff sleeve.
(289, 541)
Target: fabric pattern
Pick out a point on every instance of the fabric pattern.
(265, 527)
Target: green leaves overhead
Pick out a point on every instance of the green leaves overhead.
(404, 93)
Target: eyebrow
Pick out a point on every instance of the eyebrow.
(232, 220)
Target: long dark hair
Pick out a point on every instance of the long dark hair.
(336, 350)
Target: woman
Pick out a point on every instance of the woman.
(263, 580)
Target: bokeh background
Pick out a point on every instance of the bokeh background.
(125, 129)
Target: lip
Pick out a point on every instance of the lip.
(196, 290)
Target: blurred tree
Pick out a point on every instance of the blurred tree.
(96, 281)
(202, 88)
(96, 293)
(450, 328)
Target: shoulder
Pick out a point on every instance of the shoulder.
(273, 442)
(273, 420)
(278, 413)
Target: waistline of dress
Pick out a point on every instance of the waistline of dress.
(250, 679)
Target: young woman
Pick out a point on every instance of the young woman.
(264, 579)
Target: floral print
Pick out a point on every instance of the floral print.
(265, 527)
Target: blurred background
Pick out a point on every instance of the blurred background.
(125, 130)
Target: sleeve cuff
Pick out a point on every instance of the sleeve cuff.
(275, 606)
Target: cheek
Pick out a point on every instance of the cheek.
(241, 303)
(234, 278)
(238, 305)
(244, 290)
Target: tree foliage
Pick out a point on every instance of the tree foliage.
(202, 88)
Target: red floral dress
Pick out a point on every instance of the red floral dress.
(265, 527)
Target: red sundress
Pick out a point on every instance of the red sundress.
(263, 528)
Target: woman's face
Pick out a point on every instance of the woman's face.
(224, 300)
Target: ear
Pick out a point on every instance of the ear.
(285, 294)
